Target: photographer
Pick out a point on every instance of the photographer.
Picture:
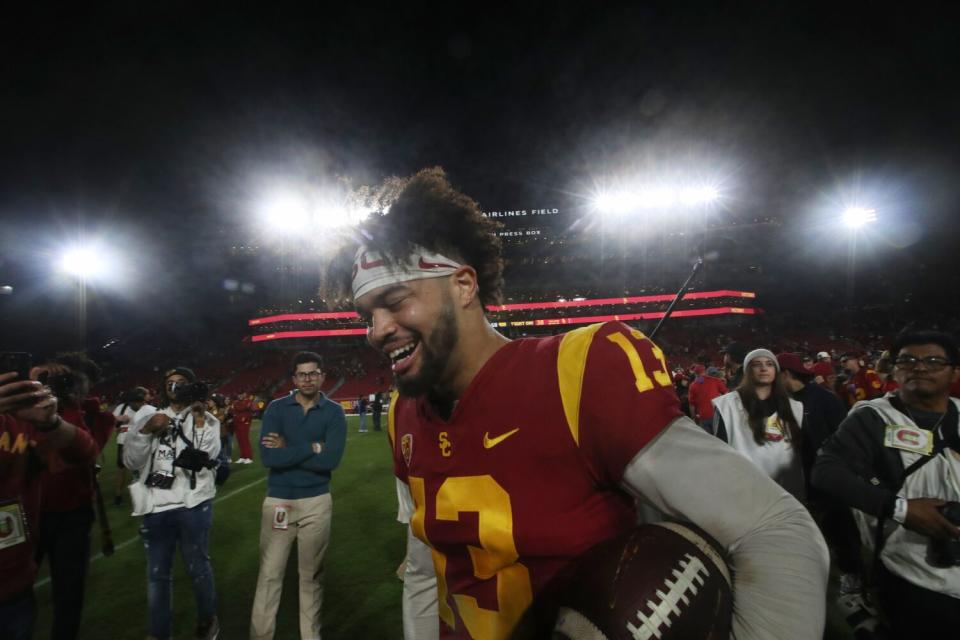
(896, 461)
(67, 512)
(130, 403)
(30, 431)
(174, 452)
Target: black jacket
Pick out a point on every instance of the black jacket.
(856, 469)
(823, 412)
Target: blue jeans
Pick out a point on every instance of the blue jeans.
(161, 532)
(363, 421)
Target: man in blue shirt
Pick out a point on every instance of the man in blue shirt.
(302, 442)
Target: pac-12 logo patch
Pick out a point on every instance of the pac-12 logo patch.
(406, 447)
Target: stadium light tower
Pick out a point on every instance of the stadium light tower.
(625, 201)
(83, 263)
(858, 217)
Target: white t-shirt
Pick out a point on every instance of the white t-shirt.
(123, 409)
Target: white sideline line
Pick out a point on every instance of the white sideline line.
(130, 541)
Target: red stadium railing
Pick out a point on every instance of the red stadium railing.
(651, 315)
(520, 306)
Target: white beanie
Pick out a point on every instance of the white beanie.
(760, 353)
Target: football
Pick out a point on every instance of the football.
(662, 581)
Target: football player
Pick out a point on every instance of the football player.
(515, 457)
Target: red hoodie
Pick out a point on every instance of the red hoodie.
(23, 451)
(702, 391)
(72, 488)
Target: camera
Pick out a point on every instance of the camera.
(159, 480)
(193, 459)
(946, 553)
(191, 392)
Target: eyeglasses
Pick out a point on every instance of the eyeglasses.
(308, 375)
(933, 363)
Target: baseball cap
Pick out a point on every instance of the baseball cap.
(186, 372)
(823, 354)
(823, 369)
(793, 363)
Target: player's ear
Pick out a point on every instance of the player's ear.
(465, 287)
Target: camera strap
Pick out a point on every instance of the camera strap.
(190, 445)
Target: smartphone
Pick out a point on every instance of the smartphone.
(18, 361)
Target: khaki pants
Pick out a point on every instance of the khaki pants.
(308, 522)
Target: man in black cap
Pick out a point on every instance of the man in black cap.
(733, 355)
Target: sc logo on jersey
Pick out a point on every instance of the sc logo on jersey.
(446, 447)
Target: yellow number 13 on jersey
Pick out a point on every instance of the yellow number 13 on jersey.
(644, 383)
(495, 558)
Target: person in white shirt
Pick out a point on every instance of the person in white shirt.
(760, 420)
(130, 403)
(174, 494)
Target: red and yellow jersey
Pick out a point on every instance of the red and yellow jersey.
(865, 385)
(525, 474)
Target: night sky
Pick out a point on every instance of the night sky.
(151, 123)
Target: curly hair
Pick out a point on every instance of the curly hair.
(428, 211)
(80, 362)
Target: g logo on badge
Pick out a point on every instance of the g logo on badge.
(445, 445)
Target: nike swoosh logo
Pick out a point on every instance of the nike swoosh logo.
(490, 443)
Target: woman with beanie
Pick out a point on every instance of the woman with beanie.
(760, 420)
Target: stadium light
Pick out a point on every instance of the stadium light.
(83, 263)
(292, 210)
(857, 217)
(663, 197)
(286, 211)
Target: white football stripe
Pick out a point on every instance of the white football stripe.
(688, 580)
(705, 547)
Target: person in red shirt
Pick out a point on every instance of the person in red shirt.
(513, 457)
(243, 409)
(31, 431)
(66, 504)
(885, 371)
(702, 391)
(862, 383)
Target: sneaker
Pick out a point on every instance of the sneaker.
(208, 630)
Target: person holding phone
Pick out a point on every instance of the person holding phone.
(30, 429)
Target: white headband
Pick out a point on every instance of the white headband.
(371, 271)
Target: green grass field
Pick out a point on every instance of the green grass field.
(361, 595)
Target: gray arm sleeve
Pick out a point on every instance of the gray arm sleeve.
(420, 618)
(778, 556)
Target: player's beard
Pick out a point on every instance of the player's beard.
(434, 354)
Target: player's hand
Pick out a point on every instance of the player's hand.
(317, 447)
(273, 441)
(158, 423)
(20, 394)
(923, 517)
(122, 419)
